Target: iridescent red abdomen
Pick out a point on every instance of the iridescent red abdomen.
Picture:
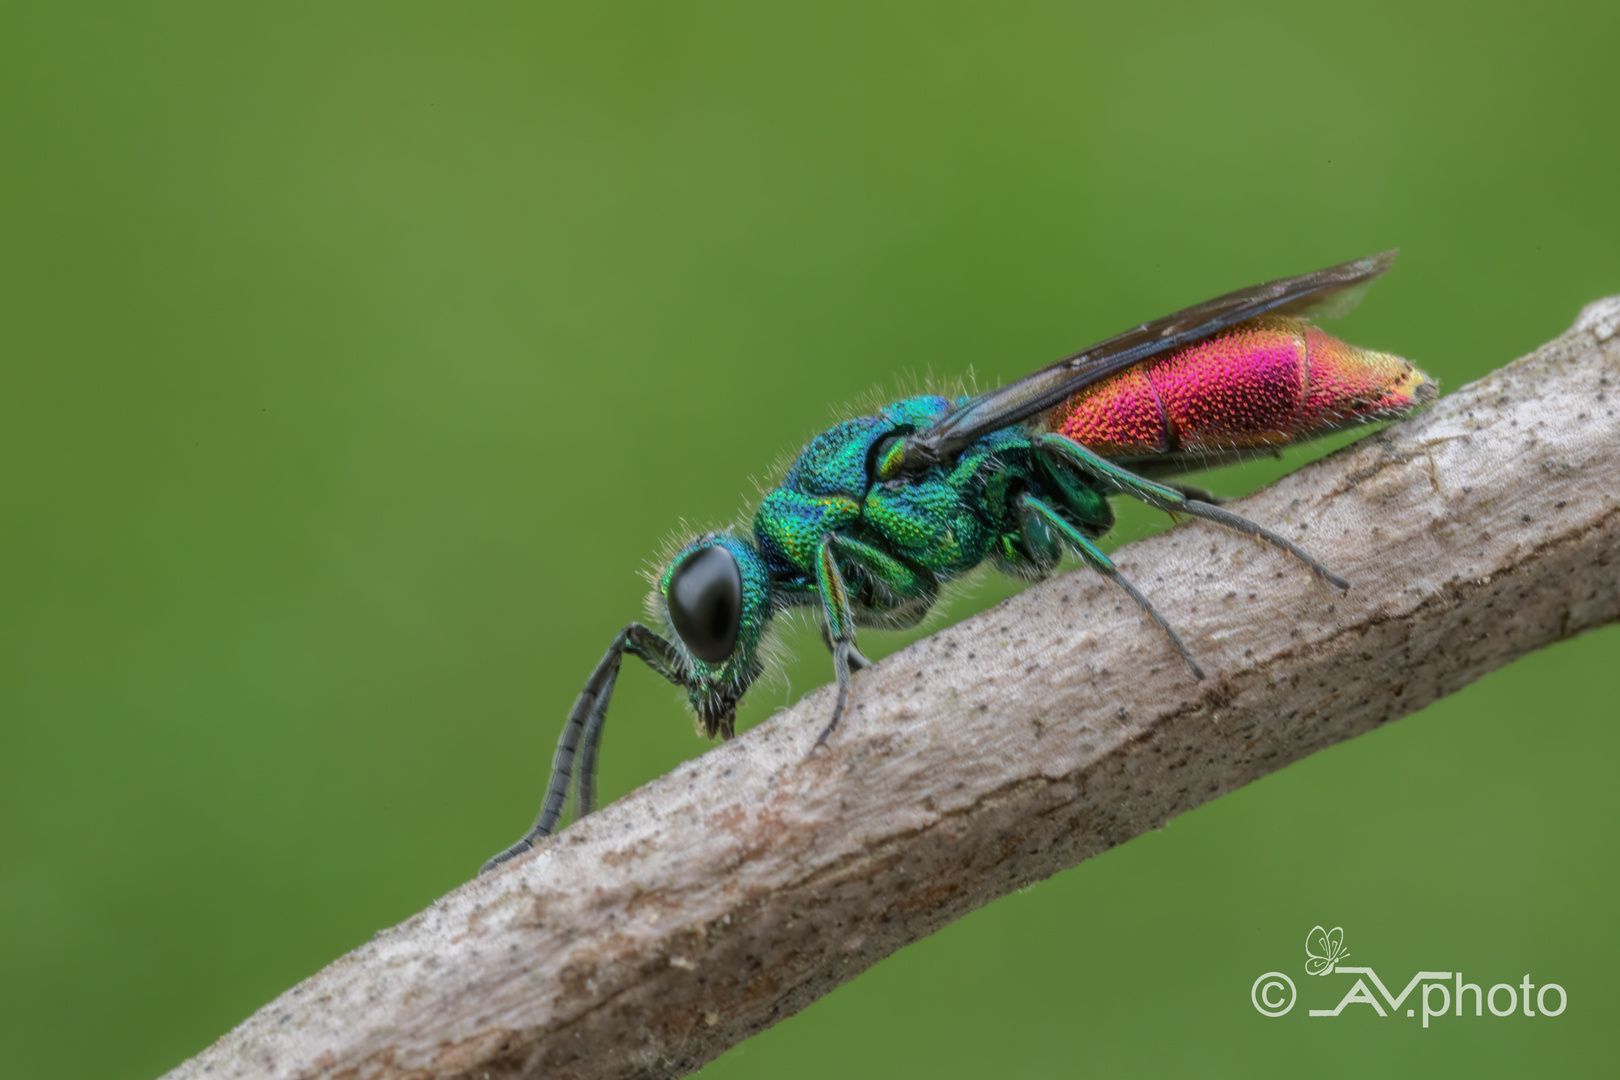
(1260, 384)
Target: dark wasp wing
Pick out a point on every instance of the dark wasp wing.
(1055, 383)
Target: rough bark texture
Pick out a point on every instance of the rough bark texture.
(745, 884)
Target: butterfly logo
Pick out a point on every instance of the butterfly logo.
(1323, 949)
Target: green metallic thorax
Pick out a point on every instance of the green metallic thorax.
(934, 526)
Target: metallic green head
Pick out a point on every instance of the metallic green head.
(715, 599)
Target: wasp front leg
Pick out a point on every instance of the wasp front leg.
(896, 593)
(838, 622)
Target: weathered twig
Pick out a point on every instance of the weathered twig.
(747, 883)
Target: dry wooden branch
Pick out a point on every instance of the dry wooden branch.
(747, 883)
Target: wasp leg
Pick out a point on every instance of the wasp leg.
(1036, 551)
(896, 595)
(1168, 498)
(1189, 491)
(847, 660)
(838, 614)
(1093, 557)
(582, 732)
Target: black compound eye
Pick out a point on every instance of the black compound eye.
(705, 603)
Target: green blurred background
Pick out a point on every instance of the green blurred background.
(354, 358)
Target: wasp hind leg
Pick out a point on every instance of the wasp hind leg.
(1175, 500)
(1189, 491)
